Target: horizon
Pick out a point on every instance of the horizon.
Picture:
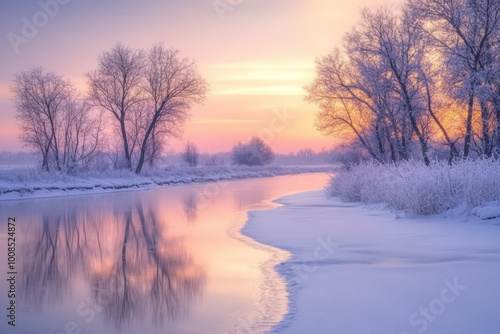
(238, 49)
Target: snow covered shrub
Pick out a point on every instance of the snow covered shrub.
(417, 189)
(255, 153)
(349, 155)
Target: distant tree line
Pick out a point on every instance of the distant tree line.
(415, 82)
(254, 153)
(306, 156)
(145, 96)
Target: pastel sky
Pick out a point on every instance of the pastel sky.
(257, 55)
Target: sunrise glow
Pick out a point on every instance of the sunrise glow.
(241, 53)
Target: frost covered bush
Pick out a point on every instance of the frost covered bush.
(419, 189)
(255, 153)
(349, 155)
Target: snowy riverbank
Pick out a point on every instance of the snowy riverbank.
(357, 270)
(33, 183)
(466, 186)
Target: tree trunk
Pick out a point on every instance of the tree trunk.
(413, 121)
(468, 124)
(128, 158)
(55, 145)
(404, 144)
(486, 139)
(496, 143)
(379, 141)
(145, 143)
(451, 145)
(421, 138)
(365, 145)
(45, 163)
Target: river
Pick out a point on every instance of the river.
(168, 260)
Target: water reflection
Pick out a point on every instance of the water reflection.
(191, 206)
(129, 263)
(133, 270)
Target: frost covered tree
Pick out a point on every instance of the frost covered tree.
(191, 154)
(172, 85)
(384, 88)
(396, 45)
(149, 95)
(466, 32)
(254, 153)
(116, 88)
(345, 99)
(54, 121)
(368, 89)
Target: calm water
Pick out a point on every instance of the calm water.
(161, 261)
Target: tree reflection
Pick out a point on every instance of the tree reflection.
(45, 281)
(50, 258)
(135, 271)
(191, 206)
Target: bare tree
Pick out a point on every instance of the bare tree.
(382, 88)
(436, 102)
(82, 133)
(396, 44)
(172, 85)
(467, 33)
(191, 154)
(149, 95)
(347, 104)
(54, 121)
(39, 100)
(116, 88)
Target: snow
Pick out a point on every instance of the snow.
(357, 269)
(489, 211)
(32, 183)
(417, 189)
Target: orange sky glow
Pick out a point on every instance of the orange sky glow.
(257, 55)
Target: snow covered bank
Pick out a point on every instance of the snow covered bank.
(30, 183)
(357, 270)
(417, 189)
